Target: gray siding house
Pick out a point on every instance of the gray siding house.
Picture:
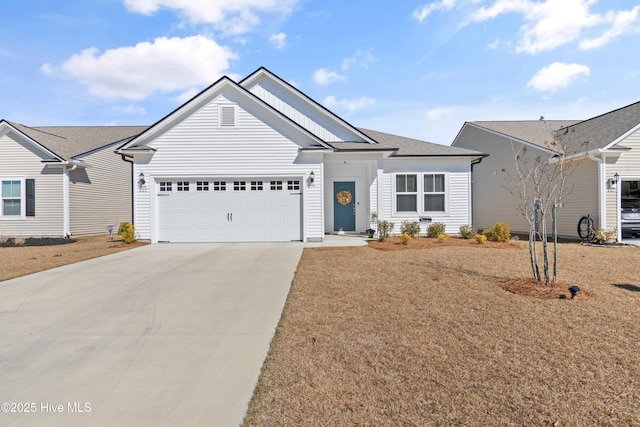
(606, 152)
(63, 181)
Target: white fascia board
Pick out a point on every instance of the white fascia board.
(305, 98)
(6, 127)
(622, 137)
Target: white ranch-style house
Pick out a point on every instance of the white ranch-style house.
(258, 160)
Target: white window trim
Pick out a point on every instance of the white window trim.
(446, 193)
(396, 193)
(420, 194)
(23, 200)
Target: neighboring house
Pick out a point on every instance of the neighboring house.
(259, 160)
(606, 152)
(63, 181)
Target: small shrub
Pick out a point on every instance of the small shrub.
(500, 232)
(384, 229)
(603, 236)
(442, 238)
(481, 239)
(436, 229)
(127, 231)
(467, 231)
(411, 228)
(404, 239)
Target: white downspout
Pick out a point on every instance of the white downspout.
(65, 203)
(602, 211)
(380, 190)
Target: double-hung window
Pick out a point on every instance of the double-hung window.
(11, 197)
(406, 193)
(434, 194)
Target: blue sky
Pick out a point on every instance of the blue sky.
(414, 68)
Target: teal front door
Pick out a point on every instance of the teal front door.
(344, 206)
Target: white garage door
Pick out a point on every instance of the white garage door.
(229, 210)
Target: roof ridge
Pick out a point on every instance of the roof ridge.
(42, 131)
(601, 115)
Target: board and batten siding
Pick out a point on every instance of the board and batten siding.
(300, 111)
(100, 194)
(19, 159)
(457, 178)
(627, 166)
(261, 145)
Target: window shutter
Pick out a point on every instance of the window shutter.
(30, 185)
(227, 116)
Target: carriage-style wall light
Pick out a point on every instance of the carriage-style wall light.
(141, 178)
(312, 177)
(611, 182)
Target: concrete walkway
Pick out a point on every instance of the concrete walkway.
(166, 334)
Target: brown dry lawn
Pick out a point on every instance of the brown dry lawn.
(22, 260)
(427, 335)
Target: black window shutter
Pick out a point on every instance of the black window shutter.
(31, 197)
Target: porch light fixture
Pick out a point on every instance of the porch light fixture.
(616, 177)
(611, 182)
(141, 178)
(312, 177)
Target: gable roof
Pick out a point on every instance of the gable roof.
(605, 130)
(262, 72)
(67, 142)
(538, 132)
(200, 99)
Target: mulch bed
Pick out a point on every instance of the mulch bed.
(35, 241)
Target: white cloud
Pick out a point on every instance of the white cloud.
(348, 105)
(324, 77)
(278, 40)
(131, 109)
(361, 57)
(557, 76)
(421, 13)
(135, 72)
(230, 16)
(553, 23)
(440, 113)
(620, 22)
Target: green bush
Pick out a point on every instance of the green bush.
(128, 232)
(436, 229)
(411, 228)
(384, 229)
(500, 232)
(467, 231)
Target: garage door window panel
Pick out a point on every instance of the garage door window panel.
(202, 186)
(239, 185)
(166, 186)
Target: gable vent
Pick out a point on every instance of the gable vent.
(227, 116)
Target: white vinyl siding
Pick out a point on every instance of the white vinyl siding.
(100, 194)
(627, 166)
(261, 145)
(20, 159)
(456, 172)
(298, 109)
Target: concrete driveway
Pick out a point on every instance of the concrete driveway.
(166, 334)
